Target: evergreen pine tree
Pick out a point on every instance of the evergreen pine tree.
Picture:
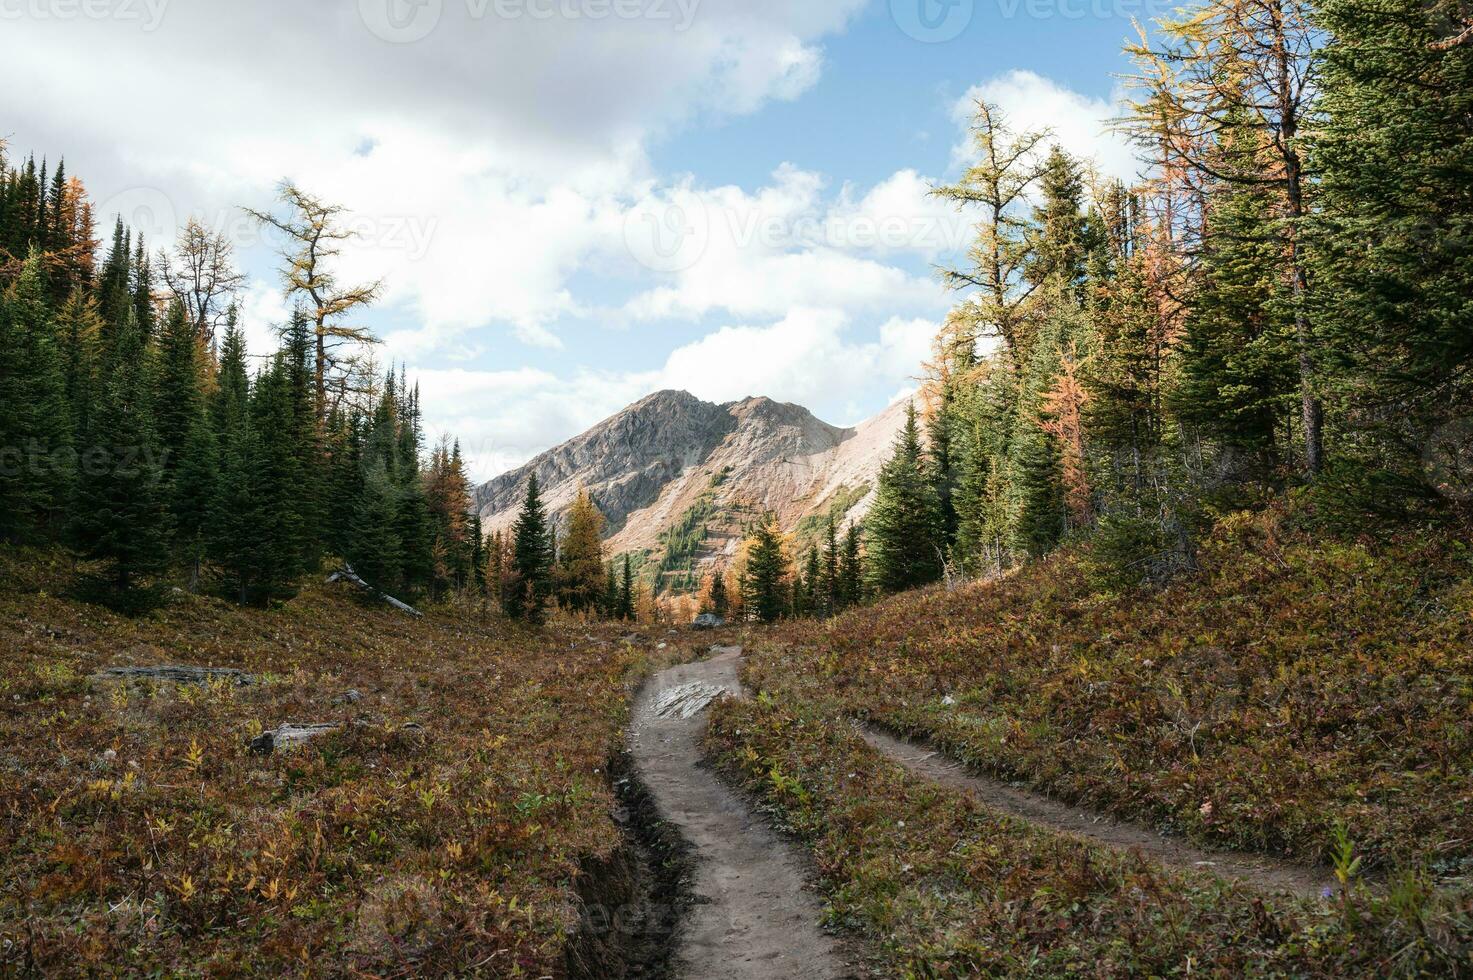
(276, 479)
(35, 427)
(1393, 241)
(626, 591)
(1238, 385)
(611, 593)
(305, 441)
(232, 383)
(229, 538)
(414, 528)
(531, 559)
(186, 437)
(178, 399)
(813, 604)
(829, 585)
(1034, 464)
(115, 297)
(193, 494)
(903, 527)
(765, 587)
(851, 569)
(477, 570)
(718, 594)
(119, 515)
(79, 337)
(142, 290)
(374, 548)
(985, 435)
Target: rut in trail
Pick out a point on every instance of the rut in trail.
(753, 917)
(1258, 871)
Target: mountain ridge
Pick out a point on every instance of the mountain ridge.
(679, 479)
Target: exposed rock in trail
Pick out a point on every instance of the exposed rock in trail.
(685, 700)
(1259, 871)
(754, 917)
(175, 673)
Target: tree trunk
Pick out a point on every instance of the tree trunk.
(319, 376)
(1310, 407)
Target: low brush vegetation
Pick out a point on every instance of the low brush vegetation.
(440, 830)
(937, 885)
(1298, 697)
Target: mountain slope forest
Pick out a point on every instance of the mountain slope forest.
(1205, 440)
(1175, 534)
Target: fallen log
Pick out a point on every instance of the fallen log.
(346, 574)
(288, 737)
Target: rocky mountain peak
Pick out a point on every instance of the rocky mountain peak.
(672, 459)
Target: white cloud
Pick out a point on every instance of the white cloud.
(787, 246)
(489, 159)
(1078, 123)
(504, 418)
(263, 312)
(806, 357)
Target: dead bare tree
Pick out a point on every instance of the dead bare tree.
(314, 236)
(202, 277)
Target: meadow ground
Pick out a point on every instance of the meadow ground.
(1307, 699)
(446, 826)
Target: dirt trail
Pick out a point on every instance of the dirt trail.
(1258, 871)
(753, 915)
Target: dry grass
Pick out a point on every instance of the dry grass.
(440, 830)
(1293, 688)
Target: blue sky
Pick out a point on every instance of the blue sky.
(573, 202)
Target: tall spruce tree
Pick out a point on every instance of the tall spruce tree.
(717, 594)
(120, 514)
(186, 440)
(178, 398)
(79, 339)
(282, 548)
(531, 560)
(626, 590)
(903, 528)
(1035, 467)
(766, 576)
(1393, 240)
(829, 585)
(35, 426)
(1237, 383)
(851, 569)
